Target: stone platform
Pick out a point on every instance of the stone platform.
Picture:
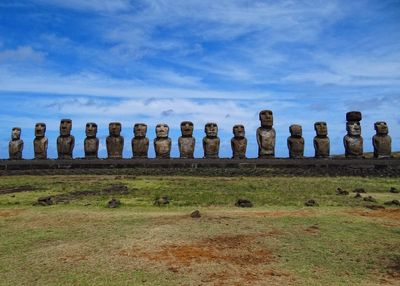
(207, 167)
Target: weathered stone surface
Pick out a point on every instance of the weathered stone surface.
(186, 142)
(40, 143)
(370, 199)
(341, 192)
(311, 203)
(392, 203)
(244, 203)
(239, 142)
(162, 201)
(195, 214)
(353, 142)
(162, 143)
(45, 201)
(65, 142)
(266, 135)
(211, 141)
(381, 141)
(321, 141)
(360, 190)
(114, 141)
(393, 190)
(16, 145)
(91, 143)
(295, 142)
(140, 143)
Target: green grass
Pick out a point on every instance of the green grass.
(278, 242)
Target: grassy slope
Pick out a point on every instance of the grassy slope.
(277, 242)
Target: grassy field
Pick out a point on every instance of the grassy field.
(79, 241)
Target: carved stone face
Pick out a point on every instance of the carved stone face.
(162, 130)
(353, 128)
(40, 129)
(140, 130)
(266, 118)
(65, 127)
(238, 131)
(91, 129)
(187, 128)
(114, 128)
(295, 130)
(381, 128)
(321, 128)
(211, 129)
(16, 133)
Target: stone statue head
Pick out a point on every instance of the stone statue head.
(187, 128)
(91, 129)
(295, 130)
(321, 128)
(238, 131)
(114, 128)
(381, 128)
(353, 128)
(140, 130)
(65, 127)
(267, 118)
(16, 133)
(40, 129)
(211, 129)
(162, 130)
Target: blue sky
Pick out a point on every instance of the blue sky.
(201, 60)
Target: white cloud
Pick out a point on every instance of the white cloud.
(20, 55)
(109, 6)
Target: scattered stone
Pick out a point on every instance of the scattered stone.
(195, 214)
(114, 203)
(341, 192)
(161, 201)
(243, 203)
(359, 191)
(375, 207)
(311, 203)
(370, 199)
(358, 196)
(393, 190)
(392, 203)
(45, 201)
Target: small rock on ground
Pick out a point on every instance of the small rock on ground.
(311, 203)
(393, 190)
(358, 196)
(359, 190)
(392, 203)
(161, 201)
(45, 201)
(195, 214)
(370, 199)
(341, 192)
(243, 203)
(114, 203)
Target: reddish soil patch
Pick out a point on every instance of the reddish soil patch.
(9, 213)
(383, 213)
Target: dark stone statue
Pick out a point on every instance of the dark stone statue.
(353, 142)
(115, 142)
(140, 143)
(162, 143)
(40, 143)
(295, 142)
(321, 141)
(239, 142)
(266, 135)
(211, 141)
(16, 145)
(65, 142)
(186, 142)
(91, 141)
(381, 141)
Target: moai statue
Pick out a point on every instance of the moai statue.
(211, 141)
(266, 135)
(162, 143)
(353, 142)
(239, 142)
(321, 141)
(16, 145)
(295, 142)
(140, 143)
(65, 142)
(91, 141)
(40, 143)
(186, 142)
(381, 141)
(115, 142)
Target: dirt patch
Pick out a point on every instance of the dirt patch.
(19, 189)
(297, 213)
(313, 230)
(10, 213)
(73, 258)
(117, 189)
(381, 213)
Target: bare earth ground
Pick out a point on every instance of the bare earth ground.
(79, 241)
